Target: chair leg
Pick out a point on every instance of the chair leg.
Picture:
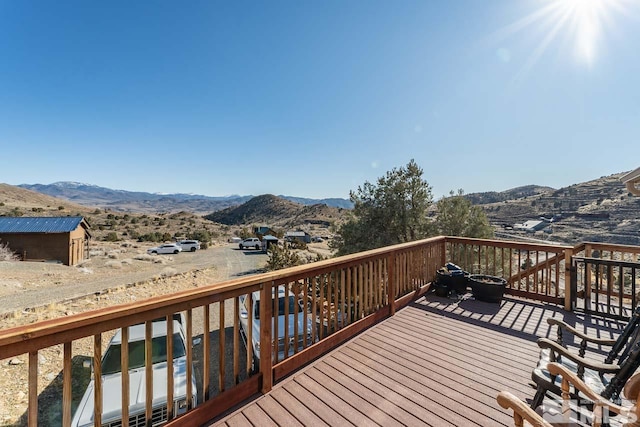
(538, 398)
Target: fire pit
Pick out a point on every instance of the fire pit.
(487, 288)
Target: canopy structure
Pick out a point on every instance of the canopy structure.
(632, 181)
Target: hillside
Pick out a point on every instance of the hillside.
(16, 201)
(143, 202)
(276, 212)
(596, 210)
(514, 193)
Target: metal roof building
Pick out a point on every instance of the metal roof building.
(62, 239)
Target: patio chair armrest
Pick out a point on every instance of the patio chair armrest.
(561, 324)
(521, 411)
(602, 368)
(570, 378)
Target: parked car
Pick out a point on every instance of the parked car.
(189, 245)
(112, 378)
(167, 248)
(251, 243)
(294, 344)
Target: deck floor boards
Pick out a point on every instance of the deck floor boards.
(437, 362)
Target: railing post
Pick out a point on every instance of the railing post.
(266, 336)
(568, 297)
(443, 255)
(587, 280)
(391, 283)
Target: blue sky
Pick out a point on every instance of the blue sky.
(312, 99)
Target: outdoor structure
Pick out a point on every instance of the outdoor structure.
(531, 226)
(632, 181)
(63, 239)
(300, 236)
(263, 230)
(269, 240)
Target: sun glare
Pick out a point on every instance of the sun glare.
(586, 19)
(582, 23)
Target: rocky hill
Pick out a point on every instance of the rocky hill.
(514, 193)
(278, 212)
(598, 210)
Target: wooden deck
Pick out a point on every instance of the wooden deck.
(437, 362)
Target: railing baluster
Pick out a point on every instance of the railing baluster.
(148, 369)
(66, 384)
(189, 355)
(221, 342)
(124, 368)
(236, 343)
(170, 380)
(33, 389)
(250, 307)
(206, 349)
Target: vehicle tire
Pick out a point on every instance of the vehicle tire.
(176, 251)
(154, 252)
(193, 249)
(240, 246)
(257, 247)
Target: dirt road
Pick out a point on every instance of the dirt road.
(31, 285)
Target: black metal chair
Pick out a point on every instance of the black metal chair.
(604, 378)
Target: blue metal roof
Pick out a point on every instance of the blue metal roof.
(62, 224)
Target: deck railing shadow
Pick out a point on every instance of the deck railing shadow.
(521, 318)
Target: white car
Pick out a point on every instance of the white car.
(294, 345)
(189, 245)
(251, 243)
(168, 248)
(112, 378)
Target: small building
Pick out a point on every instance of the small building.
(300, 236)
(531, 226)
(263, 230)
(268, 241)
(63, 239)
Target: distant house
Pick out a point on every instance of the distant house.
(268, 241)
(531, 226)
(63, 239)
(632, 181)
(300, 236)
(263, 230)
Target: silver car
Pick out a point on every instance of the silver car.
(294, 344)
(167, 248)
(112, 378)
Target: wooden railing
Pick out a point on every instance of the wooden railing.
(606, 279)
(335, 299)
(534, 271)
(324, 304)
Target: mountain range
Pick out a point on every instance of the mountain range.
(597, 210)
(143, 202)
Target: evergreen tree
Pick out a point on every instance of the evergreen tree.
(393, 210)
(458, 217)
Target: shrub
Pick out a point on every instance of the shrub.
(111, 237)
(60, 208)
(282, 257)
(6, 254)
